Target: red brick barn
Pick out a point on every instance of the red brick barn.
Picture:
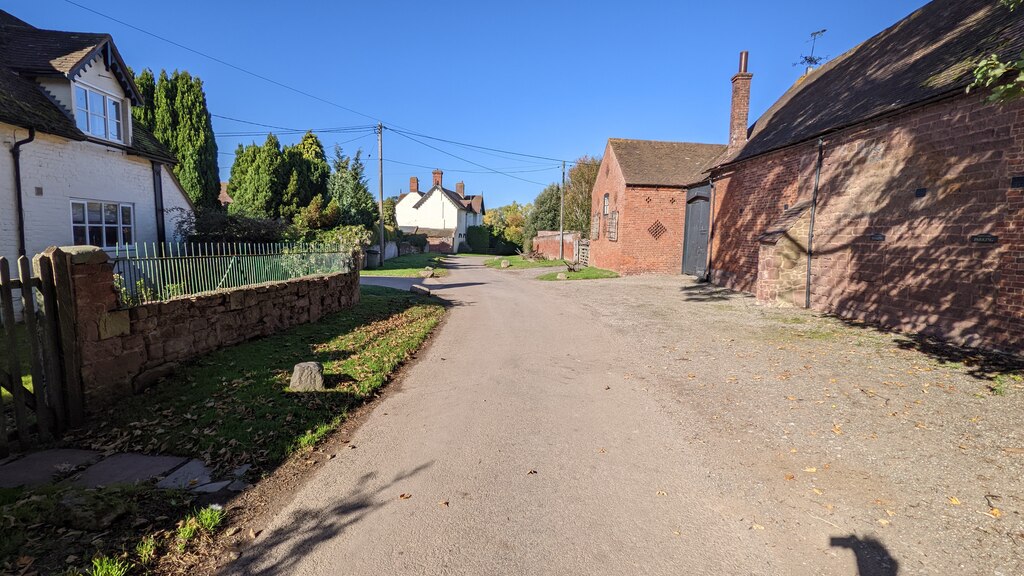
(913, 188)
(639, 204)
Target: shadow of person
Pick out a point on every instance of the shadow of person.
(873, 559)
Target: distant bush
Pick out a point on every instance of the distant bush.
(417, 240)
(478, 238)
(215, 225)
(464, 247)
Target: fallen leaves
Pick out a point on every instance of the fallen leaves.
(954, 500)
(662, 493)
(531, 472)
(404, 496)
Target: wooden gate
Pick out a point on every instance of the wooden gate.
(35, 404)
(583, 252)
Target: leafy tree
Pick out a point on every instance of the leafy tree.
(174, 109)
(578, 190)
(507, 222)
(1006, 79)
(320, 214)
(545, 213)
(347, 186)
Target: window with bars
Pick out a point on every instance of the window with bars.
(103, 224)
(613, 226)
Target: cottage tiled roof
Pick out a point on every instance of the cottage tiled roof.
(927, 55)
(27, 52)
(654, 163)
(471, 203)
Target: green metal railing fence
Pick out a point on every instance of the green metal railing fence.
(157, 272)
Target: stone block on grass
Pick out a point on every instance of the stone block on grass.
(307, 377)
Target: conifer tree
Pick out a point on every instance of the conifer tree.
(174, 109)
(347, 186)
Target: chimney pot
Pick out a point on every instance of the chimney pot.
(460, 189)
(414, 184)
(438, 176)
(743, 61)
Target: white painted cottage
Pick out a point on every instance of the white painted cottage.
(76, 171)
(442, 214)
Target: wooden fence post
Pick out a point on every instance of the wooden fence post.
(13, 363)
(39, 380)
(64, 284)
(55, 384)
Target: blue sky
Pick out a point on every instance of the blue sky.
(552, 79)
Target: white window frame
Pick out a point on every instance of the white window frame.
(84, 113)
(120, 226)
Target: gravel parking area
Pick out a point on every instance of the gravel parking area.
(908, 452)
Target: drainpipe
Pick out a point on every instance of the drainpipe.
(810, 232)
(16, 153)
(158, 202)
(711, 230)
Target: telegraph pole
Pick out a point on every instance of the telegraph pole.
(380, 184)
(561, 218)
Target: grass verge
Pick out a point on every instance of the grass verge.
(519, 262)
(589, 273)
(409, 266)
(229, 408)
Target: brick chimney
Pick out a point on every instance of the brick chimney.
(414, 184)
(460, 189)
(740, 109)
(437, 177)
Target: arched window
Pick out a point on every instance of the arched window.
(604, 209)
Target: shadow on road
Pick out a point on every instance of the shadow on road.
(281, 551)
(705, 292)
(440, 287)
(873, 559)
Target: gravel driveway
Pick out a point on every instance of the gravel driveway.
(649, 425)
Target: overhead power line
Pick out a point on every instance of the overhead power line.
(480, 147)
(508, 170)
(489, 169)
(224, 62)
(409, 135)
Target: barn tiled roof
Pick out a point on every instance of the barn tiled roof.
(27, 52)
(654, 163)
(929, 54)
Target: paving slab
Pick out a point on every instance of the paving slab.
(212, 487)
(39, 468)
(127, 469)
(193, 473)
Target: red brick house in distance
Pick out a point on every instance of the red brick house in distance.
(877, 189)
(639, 204)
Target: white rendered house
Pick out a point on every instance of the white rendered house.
(442, 214)
(76, 170)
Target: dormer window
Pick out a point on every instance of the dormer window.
(99, 114)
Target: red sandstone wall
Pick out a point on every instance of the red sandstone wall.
(122, 351)
(926, 275)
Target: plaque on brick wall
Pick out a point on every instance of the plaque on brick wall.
(984, 239)
(877, 237)
(1017, 182)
